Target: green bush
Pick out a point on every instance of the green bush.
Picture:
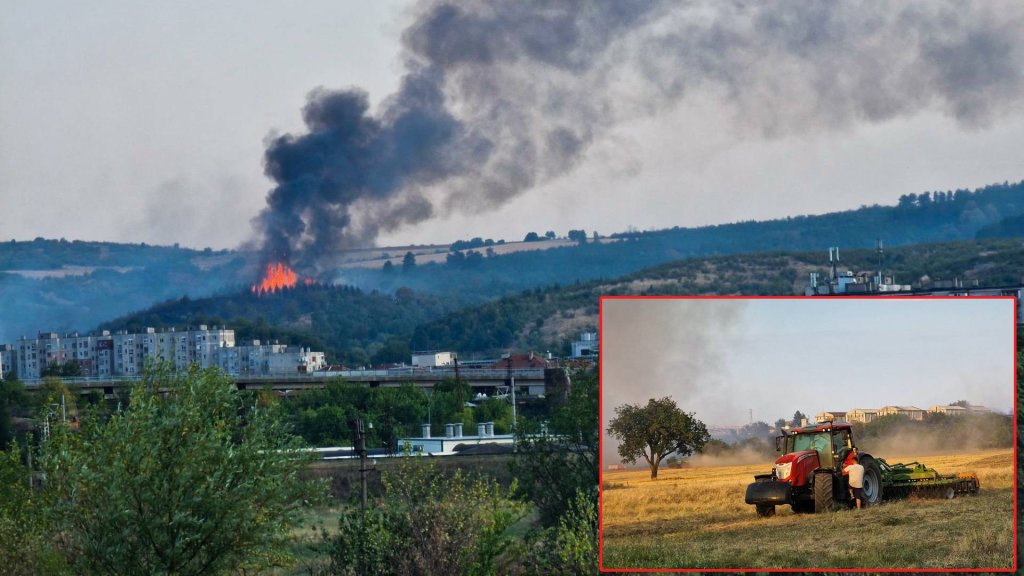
(427, 523)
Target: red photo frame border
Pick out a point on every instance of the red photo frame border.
(600, 419)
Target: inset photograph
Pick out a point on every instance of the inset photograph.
(860, 433)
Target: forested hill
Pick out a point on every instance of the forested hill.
(551, 318)
(359, 328)
(353, 327)
(993, 211)
(61, 286)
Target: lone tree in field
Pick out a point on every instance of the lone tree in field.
(655, 431)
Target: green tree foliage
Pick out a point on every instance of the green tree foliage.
(570, 547)
(531, 237)
(427, 523)
(189, 479)
(655, 431)
(13, 400)
(578, 235)
(69, 369)
(55, 399)
(798, 418)
(343, 321)
(26, 529)
(408, 261)
(552, 468)
(321, 416)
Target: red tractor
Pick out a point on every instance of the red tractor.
(809, 474)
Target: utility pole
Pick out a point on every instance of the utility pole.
(361, 451)
(458, 384)
(512, 384)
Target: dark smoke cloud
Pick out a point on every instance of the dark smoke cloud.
(501, 96)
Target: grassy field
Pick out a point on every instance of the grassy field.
(696, 518)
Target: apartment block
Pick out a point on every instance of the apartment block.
(124, 354)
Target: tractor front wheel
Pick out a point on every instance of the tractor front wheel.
(765, 510)
(824, 499)
(872, 482)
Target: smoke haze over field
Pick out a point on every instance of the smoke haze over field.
(500, 97)
(656, 348)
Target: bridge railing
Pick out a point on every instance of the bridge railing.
(393, 373)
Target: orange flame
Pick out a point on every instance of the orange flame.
(278, 277)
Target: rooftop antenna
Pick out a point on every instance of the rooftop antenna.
(833, 258)
(878, 246)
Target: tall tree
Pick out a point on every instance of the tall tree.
(553, 468)
(798, 418)
(408, 261)
(655, 431)
(189, 479)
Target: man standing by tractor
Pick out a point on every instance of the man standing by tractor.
(855, 472)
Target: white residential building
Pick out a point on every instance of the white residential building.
(125, 354)
(432, 359)
(6, 360)
(588, 345)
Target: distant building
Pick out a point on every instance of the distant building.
(588, 345)
(432, 359)
(954, 410)
(912, 412)
(948, 410)
(835, 415)
(6, 358)
(876, 283)
(124, 354)
(453, 438)
(862, 415)
(520, 361)
(255, 358)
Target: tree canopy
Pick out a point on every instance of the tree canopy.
(655, 431)
(191, 478)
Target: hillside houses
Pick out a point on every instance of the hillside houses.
(865, 415)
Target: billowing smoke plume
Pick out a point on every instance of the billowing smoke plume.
(500, 96)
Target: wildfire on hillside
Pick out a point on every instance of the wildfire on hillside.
(277, 277)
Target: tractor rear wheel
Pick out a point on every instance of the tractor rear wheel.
(765, 510)
(872, 482)
(824, 499)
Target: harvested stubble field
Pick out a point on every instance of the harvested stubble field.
(696, 518)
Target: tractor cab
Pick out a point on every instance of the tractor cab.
(830, 443)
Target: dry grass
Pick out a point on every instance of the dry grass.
(696, 518)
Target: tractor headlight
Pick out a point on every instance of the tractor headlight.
(782, 470)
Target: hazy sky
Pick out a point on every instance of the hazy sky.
(147, 122)
(720, 358)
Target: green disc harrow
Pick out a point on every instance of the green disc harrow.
(916, 479)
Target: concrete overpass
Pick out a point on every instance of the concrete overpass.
(529, 381)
